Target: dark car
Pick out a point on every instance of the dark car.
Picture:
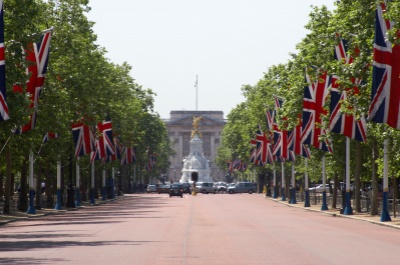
(176, 190)
(163, 189)
(242, 187)
(186, 188)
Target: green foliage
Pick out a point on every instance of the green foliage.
(80, 83)
(352, 21)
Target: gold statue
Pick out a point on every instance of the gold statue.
(196, 121)
(195, 124)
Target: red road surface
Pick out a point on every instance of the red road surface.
(196, 230)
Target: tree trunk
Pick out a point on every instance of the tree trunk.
(49, 187)
(1, 185)
(357, 175)
(23, 198)
(374, 166)
(7, 193)
(38, 195)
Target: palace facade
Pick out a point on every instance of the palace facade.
(179, 128)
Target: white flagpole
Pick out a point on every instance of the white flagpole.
(385, 217)
(347, 210)
(197, 90)
(77, 185)
(283, 182)
(31, 208)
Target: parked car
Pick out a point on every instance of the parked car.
(242, 187)
(176, 190)
(230, 185)
(163, 189)
(151, 188)
(187, 188)
(319, 188)
(221, 187)
(206, 187)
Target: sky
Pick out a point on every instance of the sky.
(225, 43)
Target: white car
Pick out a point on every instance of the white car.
(151, 188)
(319, 188)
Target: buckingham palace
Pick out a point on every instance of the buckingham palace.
(179, 128)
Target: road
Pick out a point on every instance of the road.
(196, 230)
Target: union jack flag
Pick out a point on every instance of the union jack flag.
(83, 139)
(253, 151)
(264, 153)
(229, 164)
(151, 162)
(280, 148)
(269, 120)
(128, 155)
(340, 122)
(295, 143)
(98, 153)
(117, 151)
(105, 128)
(315, 95)
(49, 135)
(3, 95)
(385, 97)
(37, 54)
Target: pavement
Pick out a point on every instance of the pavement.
(18, 216)
(363, 216)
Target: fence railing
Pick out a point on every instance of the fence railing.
(316, 199)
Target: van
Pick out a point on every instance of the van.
(242, 187)
(206, 187)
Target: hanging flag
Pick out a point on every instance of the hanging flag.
(339, 122)
(385, 97)
(128, 155)
(3, 94)
(47, 136)
(281, 147)
(98, 153)
(83, 139)
(264, 152)
(37, 55)
(315, 95)
(117, 151)
(229, 165)
(105, 129)
(253, 151)
(295, 143)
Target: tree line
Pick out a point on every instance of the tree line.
(353, 21)
(81, 82)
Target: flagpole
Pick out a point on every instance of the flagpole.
(283, 183)
(293, 194)
(59, 192)
(306, 187)
(197, 90)
(348, 210)
(92, 187)
(31, 208)
(385, 217)
(112, 184)
(324, 205)
(77, 185)
(104, 195)
(275, 187)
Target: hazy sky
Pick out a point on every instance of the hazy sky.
(227, 43)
